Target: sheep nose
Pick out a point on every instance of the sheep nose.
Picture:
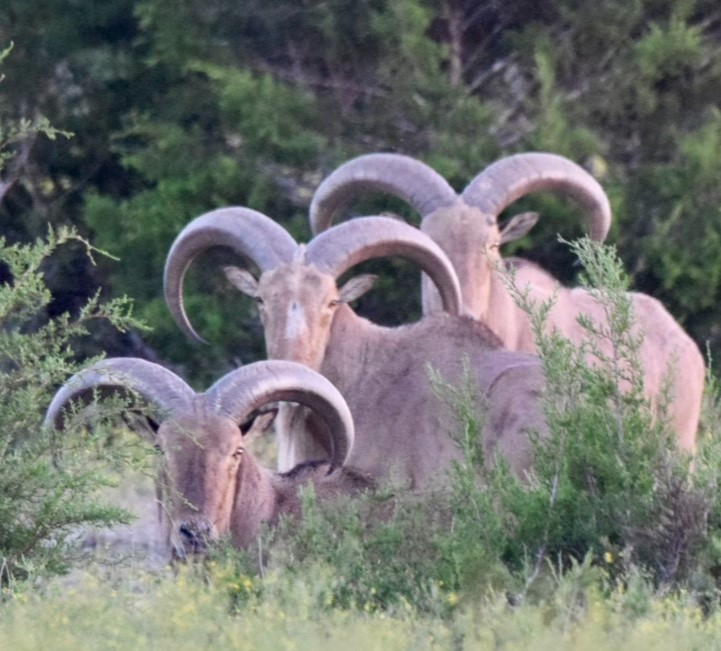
(195, 536)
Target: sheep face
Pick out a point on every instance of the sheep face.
(464, 229)
(297, 303)
(200, 469)
(472, 241)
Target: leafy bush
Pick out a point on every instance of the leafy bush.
(47, 482)
(610, 480)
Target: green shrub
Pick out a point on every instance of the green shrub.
(610, 480)
(47, 480)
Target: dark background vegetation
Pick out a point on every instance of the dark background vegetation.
(182, 106)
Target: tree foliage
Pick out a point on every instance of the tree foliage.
(182, 107)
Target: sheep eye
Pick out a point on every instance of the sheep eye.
(238, 452)
(334, 302)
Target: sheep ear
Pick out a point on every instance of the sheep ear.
(243, 280)
(356, 287)
(145, 424)
(518, 226)
(258, 424)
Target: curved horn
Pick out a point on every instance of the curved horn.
(245, 389)
(161, 387)
(246, 231)
(409, 179)
(363, 238)
(511, 178)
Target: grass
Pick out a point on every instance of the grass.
(142, 610)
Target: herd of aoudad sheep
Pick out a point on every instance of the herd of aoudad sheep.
(351, 402)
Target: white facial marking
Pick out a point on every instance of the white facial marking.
(296, 322)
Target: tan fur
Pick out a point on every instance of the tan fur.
(667, 350)
(402, 427)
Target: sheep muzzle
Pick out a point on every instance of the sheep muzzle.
(195, 537)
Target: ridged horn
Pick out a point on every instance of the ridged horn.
(404, 177)
(247, 232)
(247, 388)
(511, 178)
(159, 386)
(363, 238)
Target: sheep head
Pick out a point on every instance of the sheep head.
(297, 303)
(201, 503)
(214, 487)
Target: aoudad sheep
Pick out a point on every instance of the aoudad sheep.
(212, 484)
